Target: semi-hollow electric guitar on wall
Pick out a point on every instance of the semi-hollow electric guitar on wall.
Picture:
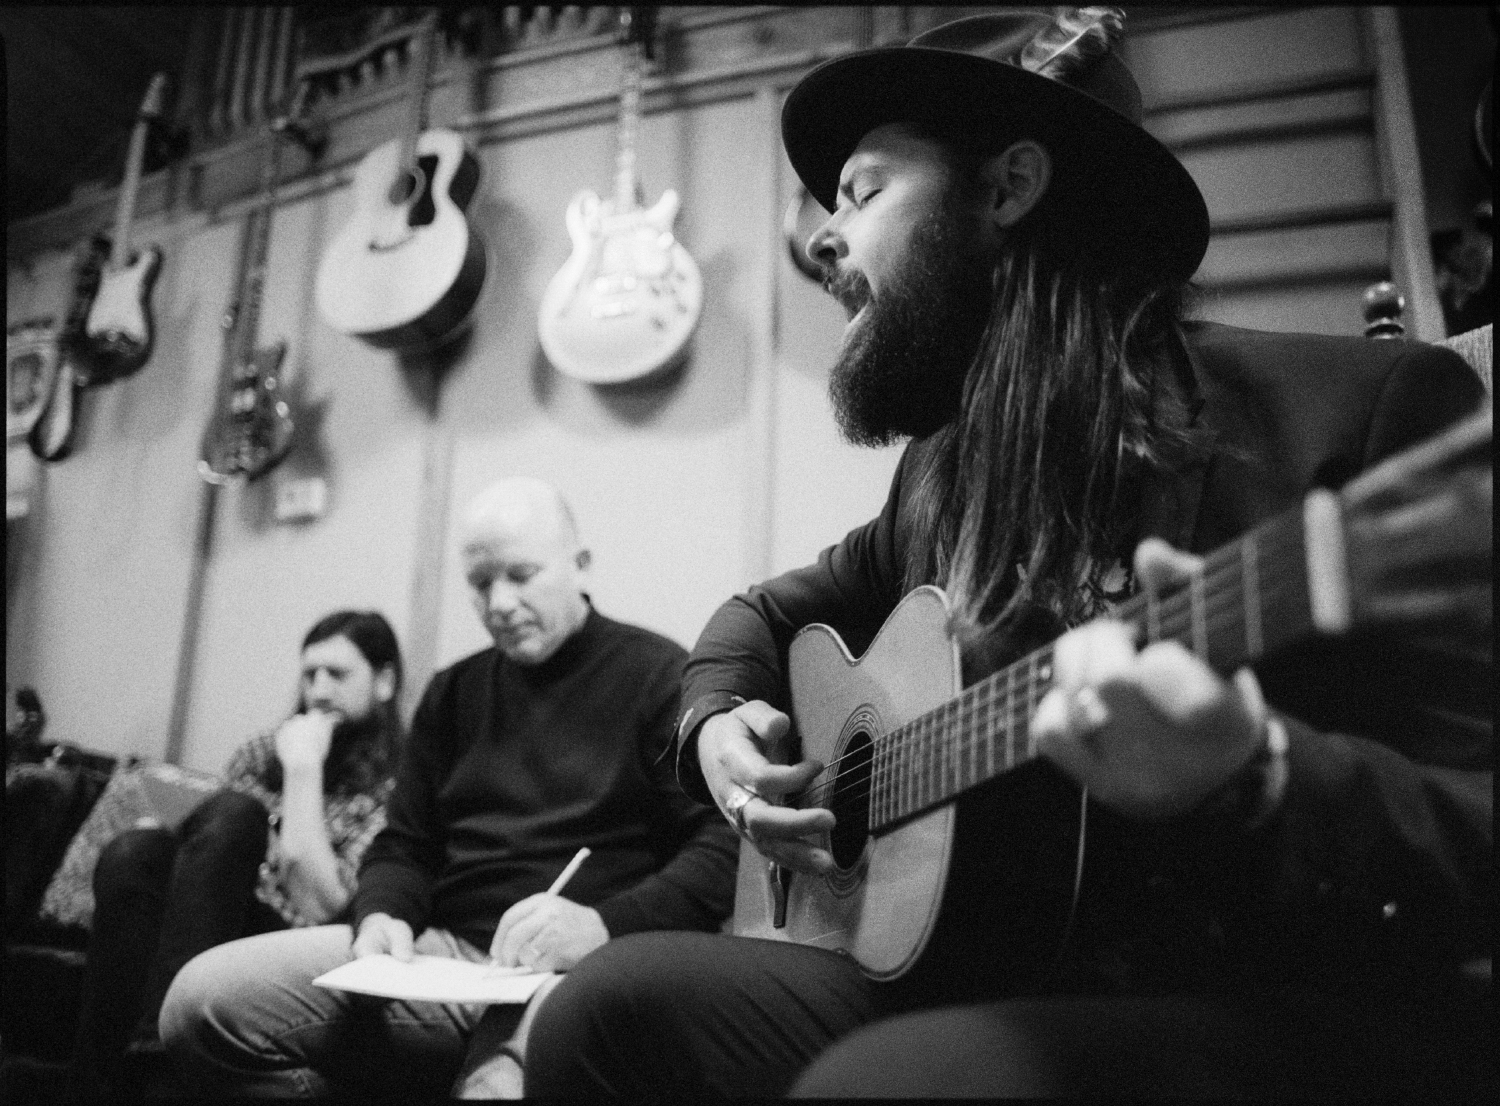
(627, 300)
(251, 428)
(118, 333)
(407, 268)
(1408, 543)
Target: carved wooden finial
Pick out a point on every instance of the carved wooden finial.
(1383, 306)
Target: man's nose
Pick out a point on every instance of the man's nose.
(321, 686)
(500, 598)
(826, 246)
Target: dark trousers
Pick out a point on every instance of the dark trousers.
(160, 898)
(708, 1016)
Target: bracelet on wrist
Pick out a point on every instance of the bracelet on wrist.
(1250, 797)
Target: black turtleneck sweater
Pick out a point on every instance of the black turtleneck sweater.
(510, 769)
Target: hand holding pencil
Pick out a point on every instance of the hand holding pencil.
(546, 932)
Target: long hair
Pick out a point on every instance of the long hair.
(360, 755)
(1026, 499)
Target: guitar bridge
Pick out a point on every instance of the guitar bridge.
(780, 879)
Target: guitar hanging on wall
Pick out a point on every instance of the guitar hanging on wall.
(117, 336)
(251, 428)
(407, 268)
(627, 300)
(51, 437)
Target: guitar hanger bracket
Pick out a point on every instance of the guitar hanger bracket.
(310, 134)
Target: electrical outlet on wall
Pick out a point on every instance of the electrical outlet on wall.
(301, 499)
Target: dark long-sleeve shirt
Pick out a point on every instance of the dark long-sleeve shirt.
(510, 769)
(1377, 871)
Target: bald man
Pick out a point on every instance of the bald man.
(519, 755)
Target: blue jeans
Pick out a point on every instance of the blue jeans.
(245, 1019)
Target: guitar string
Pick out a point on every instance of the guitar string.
(1175, 615)
(916, 765)
(980, 700)
(1170, 613)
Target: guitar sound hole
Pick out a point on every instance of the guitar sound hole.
(849, 800)
(424, 210)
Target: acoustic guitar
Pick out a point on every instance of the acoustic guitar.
(626, 301)
(118, 334)
(407, 268)
(1407, 543)
(250, 431)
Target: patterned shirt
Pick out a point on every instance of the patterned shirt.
(352, 820)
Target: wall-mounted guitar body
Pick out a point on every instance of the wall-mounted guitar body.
(118, 334)
(407, 268)
(627, 300)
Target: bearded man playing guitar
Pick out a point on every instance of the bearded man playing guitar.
(1286, 866)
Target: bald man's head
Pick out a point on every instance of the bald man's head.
(524, 562)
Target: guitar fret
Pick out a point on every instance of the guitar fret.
(1031, 697)
(952, 760)
(1200, 629)
(899, 770)
(988, 742)
(1250, 584)
(1010, 683)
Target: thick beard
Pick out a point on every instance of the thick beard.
(901, 371)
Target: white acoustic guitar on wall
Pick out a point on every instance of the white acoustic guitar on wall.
(627, 300)
(406, 270)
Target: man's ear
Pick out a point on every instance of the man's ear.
(1014, 182)
(385, 683)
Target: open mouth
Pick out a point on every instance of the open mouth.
(851, 290)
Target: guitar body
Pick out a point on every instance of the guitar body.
(882, 903)
(252, 428)
(628, 298)
(118, 333)
(405, 274)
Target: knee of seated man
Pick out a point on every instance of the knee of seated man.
(623, 987)
(202, 987)
(229, 815)
(132, 857)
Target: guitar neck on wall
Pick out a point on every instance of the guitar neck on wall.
(1407, 544)
(118, 333)
(250, 431)
(407, 269)
(627, 300)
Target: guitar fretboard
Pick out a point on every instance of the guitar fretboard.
(630, 110)
(1250, 599)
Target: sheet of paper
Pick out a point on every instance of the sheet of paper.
(433, 979)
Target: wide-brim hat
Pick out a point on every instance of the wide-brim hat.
(1116, 192)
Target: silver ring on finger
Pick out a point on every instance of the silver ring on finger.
(1086, 711)
(735, 809)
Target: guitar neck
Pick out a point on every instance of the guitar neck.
(1253, 596)
(626, 187)
(125, 210)
(423, 43)
(256, 250)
